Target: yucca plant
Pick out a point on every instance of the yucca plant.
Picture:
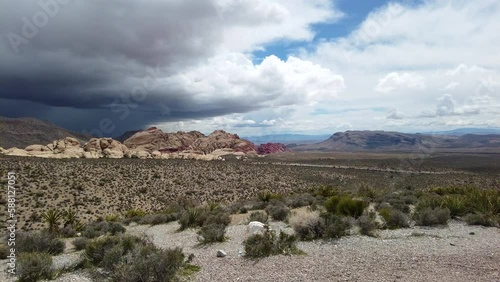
(52, 217)
(69, 218)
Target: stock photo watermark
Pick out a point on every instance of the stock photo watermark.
(30, 26)
(11, 223)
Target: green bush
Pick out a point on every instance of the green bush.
(210, 233)
(301, 200)
(97, 229)
(34, 266)
(217, 217)
(331, 204)
(485, 202)
(430, 217)
(367, 225)
(394, 219)
(345, 206)
(258, 216)
(267, 244)
(40, 242)
(456, 204)
(80, 243)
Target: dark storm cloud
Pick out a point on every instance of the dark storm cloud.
(91, 55)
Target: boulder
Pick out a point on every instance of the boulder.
(68, 147)
(255, 227)
(39, 151)
(106, 148)
(137, 154)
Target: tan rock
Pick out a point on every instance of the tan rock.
(68, 147)
(17, 152)
(105, 148)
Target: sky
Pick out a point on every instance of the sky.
(252, 67)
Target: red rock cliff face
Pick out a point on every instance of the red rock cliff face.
(271, 148)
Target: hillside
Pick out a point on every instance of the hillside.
(396, 141)
(22, 132)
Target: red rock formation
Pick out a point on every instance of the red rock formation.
(271, 148)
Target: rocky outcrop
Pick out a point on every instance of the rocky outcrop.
(17, 152)
(271, 148)
(104, 148)
(154, 139)
(39, 151)
(68, 147)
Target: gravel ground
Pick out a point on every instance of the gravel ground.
(417, 254)
(454, 253)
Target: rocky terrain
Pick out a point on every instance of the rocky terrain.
(396, 141)
(152, 143)
(22, 132)
(272, 148)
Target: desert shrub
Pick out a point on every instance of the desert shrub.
(483, 201)
(258, 216)
(160, 218)
(301, 200)
(134, 213)
(266, 244)
(265, 196)
(430, 217)
(367, 225)
(278, 211)
(331, 204)
(40, 242)
(148, 263)
(482, 219)
(192, 217)
(325, 191)
(308, 226)
(217, 217)
(97, 229)
(335, 226)
(4, 251)
(105, 251)
(456, 204)
(210, 233)
(111, 217)
(351, 207)
(80, 243)
(394, 218)
(429, 202)
(345, 206)
(33, 266)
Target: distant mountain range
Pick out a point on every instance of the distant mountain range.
(22, 132)
(396, 141)
(463, 131)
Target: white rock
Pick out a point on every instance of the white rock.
(221, 254)
(255, 227)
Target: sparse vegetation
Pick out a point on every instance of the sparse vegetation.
(430, 217)
(258, 216)
(394, 218)
(33, 266)
(40, 242)
(268, 243)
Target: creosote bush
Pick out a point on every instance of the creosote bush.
(335, 226)
(308, 226)
(367, 224)
(268, 243)
(345, 206)
(80, 243)
(34, 266)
